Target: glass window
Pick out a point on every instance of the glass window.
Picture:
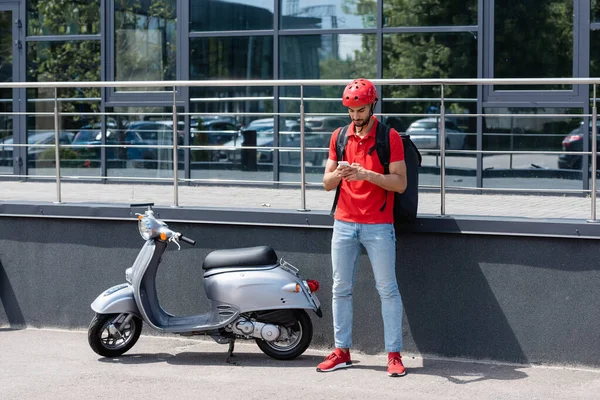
(146, 138)
(53, 61)
(231, 15)
(533, 39)
(325, 57)
(6, 75)
(313, 14)
(328, 56)
(145, 42)
(430, 55)
(528, 128)
(223, 58)
(595, 56)
(595, 11)
(231, 58)
(75, 17)
(429, 13)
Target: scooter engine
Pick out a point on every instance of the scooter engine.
(247, 328)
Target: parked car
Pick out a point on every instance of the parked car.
(88, 140)
(324, 127)
(213, 131)
(326, 123)
(151, 133)
(197, 120)
(573, 142)
(425, 134)
(6, 151)
(34, 152)
(208, 131)
(289, 136)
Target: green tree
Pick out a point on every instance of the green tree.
(145, 45)
(65, 60)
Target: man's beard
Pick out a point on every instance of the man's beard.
(358, 124)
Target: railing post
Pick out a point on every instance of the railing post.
(175, 158)
(302, 149)
(594, 153)
(442, 130)
(57, 144)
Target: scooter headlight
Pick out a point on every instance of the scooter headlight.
(145, 228)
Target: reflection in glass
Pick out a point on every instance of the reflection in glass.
(533, 40)
(313, 14)
(6, 75)
(431, 55)
(145, 42)
(324, 57)
(53, 61)
(50, 17)
(231, 58)
(41, 154)
(595, 12)
(429, 13)
(595, 60)
(328, 56)
(231, 15)
(143, 140)
(460, 171)
(527, 129)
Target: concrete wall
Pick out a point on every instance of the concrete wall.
(505, 298)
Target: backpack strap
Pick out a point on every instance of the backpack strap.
(340, 146)
(382, 146)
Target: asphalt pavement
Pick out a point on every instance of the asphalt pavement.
(59, 364)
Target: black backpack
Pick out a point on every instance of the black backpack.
(405, 204)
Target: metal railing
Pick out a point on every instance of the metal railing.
(302, 84)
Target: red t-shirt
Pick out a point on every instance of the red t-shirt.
(361, 201)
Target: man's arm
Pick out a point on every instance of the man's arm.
(332, 176)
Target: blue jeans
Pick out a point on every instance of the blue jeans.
(380, 242)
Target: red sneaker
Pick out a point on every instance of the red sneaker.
(395, 366)
(336, 360)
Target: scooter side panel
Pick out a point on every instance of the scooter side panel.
(255, 290)
(118, 299)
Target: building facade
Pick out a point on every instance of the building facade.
(111, 132)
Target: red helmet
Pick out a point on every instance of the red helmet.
(358, 93)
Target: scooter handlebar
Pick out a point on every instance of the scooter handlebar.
(187, 240)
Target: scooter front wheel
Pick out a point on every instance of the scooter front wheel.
(297, 340)
(111, 335)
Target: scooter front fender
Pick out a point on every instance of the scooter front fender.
(116, 300)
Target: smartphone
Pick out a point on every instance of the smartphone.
(343, 164)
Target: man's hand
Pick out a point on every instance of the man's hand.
(395, 181)
(355, 172)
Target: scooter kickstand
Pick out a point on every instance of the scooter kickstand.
(230, 353)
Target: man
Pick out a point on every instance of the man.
(361, 221)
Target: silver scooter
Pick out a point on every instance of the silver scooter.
(253, 294)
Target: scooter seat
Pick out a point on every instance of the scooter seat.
(243, 257)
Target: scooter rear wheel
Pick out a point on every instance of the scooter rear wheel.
(105, 341)
(300, 336)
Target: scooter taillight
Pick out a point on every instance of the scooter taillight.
(312, 285)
